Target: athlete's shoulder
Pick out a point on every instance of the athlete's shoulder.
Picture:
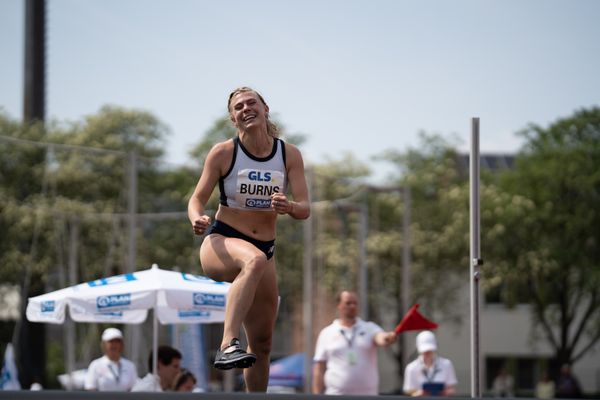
(222, 149)
(292, 152)
(288, 146)
(224, 146)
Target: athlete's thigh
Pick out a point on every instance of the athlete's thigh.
(260, 320)
(222, 258)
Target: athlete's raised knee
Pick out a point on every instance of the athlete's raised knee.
(256, 265)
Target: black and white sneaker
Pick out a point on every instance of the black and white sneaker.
(233, 356)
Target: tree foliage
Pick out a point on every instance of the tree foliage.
(439, 224)
(547, 241)
(83, 180)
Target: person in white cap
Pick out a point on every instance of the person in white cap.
(111, 372)
(429, 374)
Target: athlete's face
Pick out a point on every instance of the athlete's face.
(247, 110)
(348, 305)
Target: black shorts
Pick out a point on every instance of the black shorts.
(222, 228)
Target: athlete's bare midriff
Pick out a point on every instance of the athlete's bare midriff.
(259, 225)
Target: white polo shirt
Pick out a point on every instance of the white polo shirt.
(351, 358)
(149, 383)
(106, 375)
(416, 373)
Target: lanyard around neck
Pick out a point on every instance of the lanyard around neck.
(428, 377)
(349, 340)
(117, 374)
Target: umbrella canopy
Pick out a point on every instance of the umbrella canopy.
(287, 371)
(176, 297)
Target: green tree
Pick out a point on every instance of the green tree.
(80, 181)
(439, 230)
(552, 250)
(337, 191)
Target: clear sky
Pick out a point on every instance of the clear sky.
(359, 76)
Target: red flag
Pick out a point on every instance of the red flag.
(414, 321)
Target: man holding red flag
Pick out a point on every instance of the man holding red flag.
(345, 360)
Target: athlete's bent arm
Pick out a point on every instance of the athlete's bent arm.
(318, 383)
(299, 208)
(206, 184)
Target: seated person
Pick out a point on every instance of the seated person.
(168, 367)
(429, 374)
(184, 382)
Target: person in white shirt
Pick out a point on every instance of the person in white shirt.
(345, 360)
(111, 372)
(168, 368)
(429, 374)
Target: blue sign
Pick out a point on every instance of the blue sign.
(48, 306)
(194, 314)
(111, 314)
(114, 300)
(209, 299)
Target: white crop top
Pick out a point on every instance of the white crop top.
(250, 181)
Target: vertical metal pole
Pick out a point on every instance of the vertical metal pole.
(29, 339)
(154, 342)
(406, 276)
(132, 210)
(70, 336)
(475, 260)
(34, 95)
(133, 331)
(363, 273)
(229, 381)
(307, 291)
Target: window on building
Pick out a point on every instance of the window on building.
(526, 371)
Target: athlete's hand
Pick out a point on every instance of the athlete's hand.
(281, 204)
(200, 224)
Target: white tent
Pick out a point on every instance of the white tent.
(176, 298)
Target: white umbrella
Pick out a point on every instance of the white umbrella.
(176, 297)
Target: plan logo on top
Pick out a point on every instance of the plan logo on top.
(115, 300)
(209, 299)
